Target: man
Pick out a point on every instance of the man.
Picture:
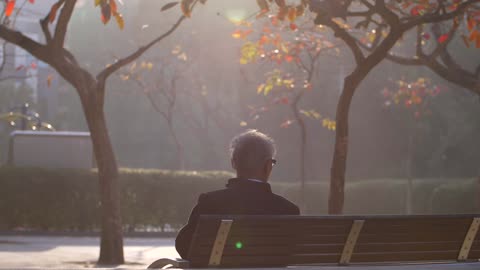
(249, 193)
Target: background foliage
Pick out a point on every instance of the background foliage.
(67, 200)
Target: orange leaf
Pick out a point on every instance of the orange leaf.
(49, 80)
(470, 24)
(53, 13)
(237, 33)
(9, 8)
(292, 14)
(473, 35)
(477, 44)
(293, 26)
(185, 6)
(113, 5)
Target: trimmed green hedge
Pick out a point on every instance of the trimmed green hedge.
(59, 200)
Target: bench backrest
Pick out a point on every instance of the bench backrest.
(263, 241)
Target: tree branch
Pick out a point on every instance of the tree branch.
(36, 49)
(104, 74)
(344, 35)
(434, 17)
(62, 24)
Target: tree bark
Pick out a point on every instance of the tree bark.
(111, 242)
(409, 170)
(339, 163)
(180, 164)
(303, 146)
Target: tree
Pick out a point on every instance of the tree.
(294, 48)
(439, 59)
(414, 100)
(388, 21)
(91, 90)
(162, 92)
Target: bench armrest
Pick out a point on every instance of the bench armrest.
(175, 263)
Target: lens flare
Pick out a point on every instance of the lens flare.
(239, 245)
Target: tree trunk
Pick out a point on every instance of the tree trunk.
(111, 242)
(409, 169)
(303, 147)
(339, 163)
(180, 164)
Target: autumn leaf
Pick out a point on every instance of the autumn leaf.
(293, 27)
(168, 6)
(9, 7)
(106, 13)
(113, 6)
(292, 14)
(185, 6)
(470, 24)
(53, 12)
(443, 38)
(286, 124)
(120, 21)
(49, 80)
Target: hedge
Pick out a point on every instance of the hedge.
(67, 200)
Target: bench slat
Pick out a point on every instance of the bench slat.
(283, 240)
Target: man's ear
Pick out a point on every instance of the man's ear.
(267, 167)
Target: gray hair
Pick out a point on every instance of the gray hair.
(251, 149)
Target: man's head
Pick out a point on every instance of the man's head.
(252, 155)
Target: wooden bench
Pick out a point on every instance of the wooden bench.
(276, 241)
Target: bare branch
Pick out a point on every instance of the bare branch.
(104, 74)
(435, 17)
(4, 56)
(36, 49)
(62, 24)
(344, 35)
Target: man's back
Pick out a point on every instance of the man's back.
(241, 197)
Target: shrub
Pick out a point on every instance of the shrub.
(67, 200)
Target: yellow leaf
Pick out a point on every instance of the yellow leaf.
(260, 88)
(120, 21)
(267, 89)
(243, 124)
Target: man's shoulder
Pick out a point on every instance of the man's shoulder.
(281, 203)
(292, 208)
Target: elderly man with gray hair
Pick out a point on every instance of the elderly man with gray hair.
(252, 157)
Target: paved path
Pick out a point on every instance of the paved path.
(32, 252)
(58, 252)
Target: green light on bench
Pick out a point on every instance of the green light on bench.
(239, 245)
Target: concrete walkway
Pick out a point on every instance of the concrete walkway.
(33, 252)
(77, 252)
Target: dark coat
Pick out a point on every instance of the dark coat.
(241, 197)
